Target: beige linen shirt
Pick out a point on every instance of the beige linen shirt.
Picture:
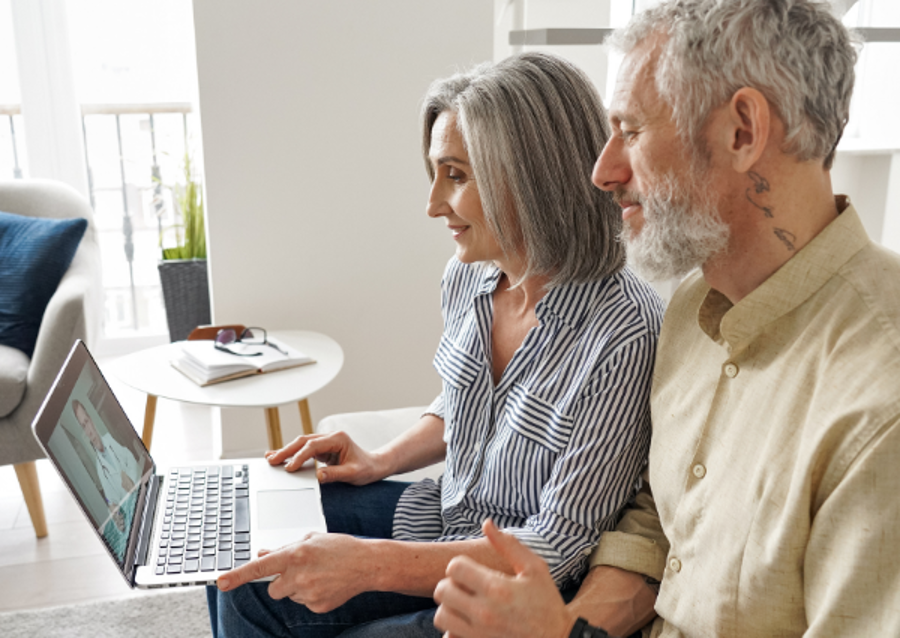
(775, 459)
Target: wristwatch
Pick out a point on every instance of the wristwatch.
(582, 629)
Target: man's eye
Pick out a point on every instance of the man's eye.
(628, 135)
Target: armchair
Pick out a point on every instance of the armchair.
(72, 313)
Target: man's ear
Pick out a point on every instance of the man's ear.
(749, 118)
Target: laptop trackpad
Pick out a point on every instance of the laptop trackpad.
(286, 509)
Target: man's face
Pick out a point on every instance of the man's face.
(669, 209)
(87, 424)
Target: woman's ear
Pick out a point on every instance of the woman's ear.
(749, 119)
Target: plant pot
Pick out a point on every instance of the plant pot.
(185, 288)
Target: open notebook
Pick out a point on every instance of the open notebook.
(203, 364)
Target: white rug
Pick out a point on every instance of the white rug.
(175, 613)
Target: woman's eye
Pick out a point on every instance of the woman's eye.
(456, 175)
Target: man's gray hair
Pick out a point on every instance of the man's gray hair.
(533, 126)
(795, 52)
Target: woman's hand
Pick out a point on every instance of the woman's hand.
(344, 460)
(322, 571)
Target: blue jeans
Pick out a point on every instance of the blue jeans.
(361, 511)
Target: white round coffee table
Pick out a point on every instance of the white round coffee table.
(150, 371)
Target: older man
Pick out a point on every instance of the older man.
(775, 459)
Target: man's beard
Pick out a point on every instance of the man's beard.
(681, 231)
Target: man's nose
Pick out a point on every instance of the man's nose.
(612, 169)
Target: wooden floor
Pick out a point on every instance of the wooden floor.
(70, 565)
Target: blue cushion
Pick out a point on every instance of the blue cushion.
(35, 253)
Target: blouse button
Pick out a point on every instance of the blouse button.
(674, 564)
(699, 471)
(731, 370)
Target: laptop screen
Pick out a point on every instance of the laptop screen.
(96, 449)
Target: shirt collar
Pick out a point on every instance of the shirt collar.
(790, 286)
(489, 278)
(570, 303)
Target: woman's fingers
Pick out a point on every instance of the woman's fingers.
(277, 457)
(344, 460)
(330, 448)
(338, 473)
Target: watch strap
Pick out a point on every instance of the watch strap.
(582, 629)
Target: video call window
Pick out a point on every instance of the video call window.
(102, 457)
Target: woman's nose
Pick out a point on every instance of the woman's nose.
(437, 205)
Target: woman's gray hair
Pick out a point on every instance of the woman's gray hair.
(795, 52)
(533, 126)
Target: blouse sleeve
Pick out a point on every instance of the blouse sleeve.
(437, 407)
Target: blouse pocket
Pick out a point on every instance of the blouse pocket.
(537, 420)
(456, 367)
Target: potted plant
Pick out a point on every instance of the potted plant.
(182, 269)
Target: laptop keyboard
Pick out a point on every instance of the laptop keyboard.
(206, 524)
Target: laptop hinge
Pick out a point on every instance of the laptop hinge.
(147, 520)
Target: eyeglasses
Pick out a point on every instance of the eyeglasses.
(250, 337)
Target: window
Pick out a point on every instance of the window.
(133, 69)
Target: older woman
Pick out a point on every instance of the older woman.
(546, 357)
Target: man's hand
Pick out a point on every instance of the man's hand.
(479, 602)
(322, 571)
(345, 461)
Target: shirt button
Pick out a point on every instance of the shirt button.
(674, 564)
(731, 370)
(699, 470)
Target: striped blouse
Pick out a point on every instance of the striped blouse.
(555, 450)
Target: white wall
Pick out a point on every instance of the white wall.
(872, 180)
(316, 188)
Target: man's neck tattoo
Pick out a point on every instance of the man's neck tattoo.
(787, 237)
(760, 186)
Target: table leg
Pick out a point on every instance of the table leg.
(149, 418)
(273, 427)
(305, 418)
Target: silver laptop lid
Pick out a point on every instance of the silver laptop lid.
(97, 451)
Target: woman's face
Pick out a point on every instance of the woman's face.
(454, 194)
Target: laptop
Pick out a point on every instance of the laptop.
(165, 526)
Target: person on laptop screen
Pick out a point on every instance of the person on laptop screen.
(105, 473)
(118, 472)
(117, 468)
(546, 358)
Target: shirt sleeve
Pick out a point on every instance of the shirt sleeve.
(852, 567)
(638, 543)
(437, 407)
(598, 470)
